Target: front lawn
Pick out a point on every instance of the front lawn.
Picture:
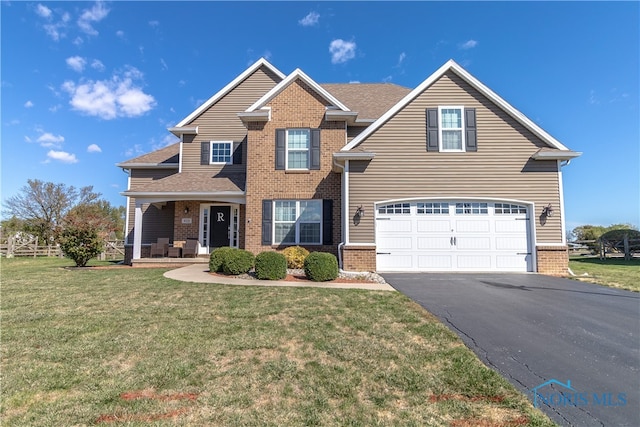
(614, 272)
(129, 347)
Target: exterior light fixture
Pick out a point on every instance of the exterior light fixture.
(360, 211)
(548, 211)
(186, 210)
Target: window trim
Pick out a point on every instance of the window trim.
(286, 149)
(462, 129)
(230, 143)
(297, 222)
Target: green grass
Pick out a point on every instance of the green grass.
(74, 341)
(614, 272)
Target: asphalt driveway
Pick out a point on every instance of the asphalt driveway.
(582, 340)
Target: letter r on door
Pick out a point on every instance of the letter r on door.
(220, 216)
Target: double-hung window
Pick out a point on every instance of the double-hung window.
(451, 125)
(297, 222)
(298, 144)
(221, 152)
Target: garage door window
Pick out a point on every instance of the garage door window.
(471, 209)
(433, 208)
(506, 208)
(397, 208)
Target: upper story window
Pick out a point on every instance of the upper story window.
(297, 149)
(221, 152)
(298, 144)
(451, 128)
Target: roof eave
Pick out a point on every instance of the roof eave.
(263, 115)
(556, 155)
(179, 130)
(338, 115)
(148, 165)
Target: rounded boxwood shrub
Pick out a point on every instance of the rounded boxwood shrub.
(271, 266)
(321, 266)
(295, 256)
(218, 258)
(238, 261)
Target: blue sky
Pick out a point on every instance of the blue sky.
(86, 85)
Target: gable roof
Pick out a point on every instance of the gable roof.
(167, 157)
(451, 65)
(228, 88)
(297, 74)
(370, 100)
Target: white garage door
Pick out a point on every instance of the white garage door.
(452, 236)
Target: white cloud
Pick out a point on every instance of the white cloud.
(62, 156)
(342, 51)
(108, 99)
(43, 11)
(387, 79)
(469, 44)
(96, 64)
(401, 59)
(89, 16)
(78, 41)
(310, 20)
(154, 23)
(27, 139)
(120, 34)
(94, 148)
(28, 104)
(47, 139)
(76, 63)
(354, 81)
(55, 108)
(164, 64)
(134, 151)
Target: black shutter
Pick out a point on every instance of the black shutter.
(314, 163)
(327, 222)
(205, 158)
(432, 129)
(266, 222)
(237, 155)
(281, 140)
(471, 137)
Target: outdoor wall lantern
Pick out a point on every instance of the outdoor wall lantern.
(186, 210)
(548, 211)
(360, 211)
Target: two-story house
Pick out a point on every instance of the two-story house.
(445, 177)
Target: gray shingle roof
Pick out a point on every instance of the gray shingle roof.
(370, 100)
(194, 182)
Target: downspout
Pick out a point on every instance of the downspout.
(563, 224)
(344, 209)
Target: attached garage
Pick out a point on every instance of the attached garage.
(453, 235)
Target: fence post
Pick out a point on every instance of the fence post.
(35, 248)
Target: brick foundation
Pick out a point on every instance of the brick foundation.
(553, 260)
(359, 258)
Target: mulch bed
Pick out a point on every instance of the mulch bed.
(298, 278)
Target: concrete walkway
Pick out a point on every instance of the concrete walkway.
(199, 273)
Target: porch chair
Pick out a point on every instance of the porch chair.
(161, 247)
(190, 248)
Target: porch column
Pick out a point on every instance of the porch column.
(137, 235)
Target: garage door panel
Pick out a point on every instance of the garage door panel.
(512, 262)
(433, 226)
(435, 262)
(397, 262)
(473, 226)
(426, 243)
(394, 225)
(396, 243)
(473, 243)
(515, 243)
(474, 262)
(511, 226)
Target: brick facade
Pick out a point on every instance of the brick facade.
(359, 258)
(553, 260)
(181, 232)
(297, 106)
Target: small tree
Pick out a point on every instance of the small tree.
(80, 243)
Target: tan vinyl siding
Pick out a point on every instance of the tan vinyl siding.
(221, 123)
(501, 168)
(353, 131)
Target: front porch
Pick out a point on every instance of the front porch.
(169, 262)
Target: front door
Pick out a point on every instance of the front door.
(219, 223)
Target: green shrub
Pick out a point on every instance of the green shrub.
(321, 266)
(295, 256)
(218, 258)
(238, 261)
(80, 243)
(271, 266)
